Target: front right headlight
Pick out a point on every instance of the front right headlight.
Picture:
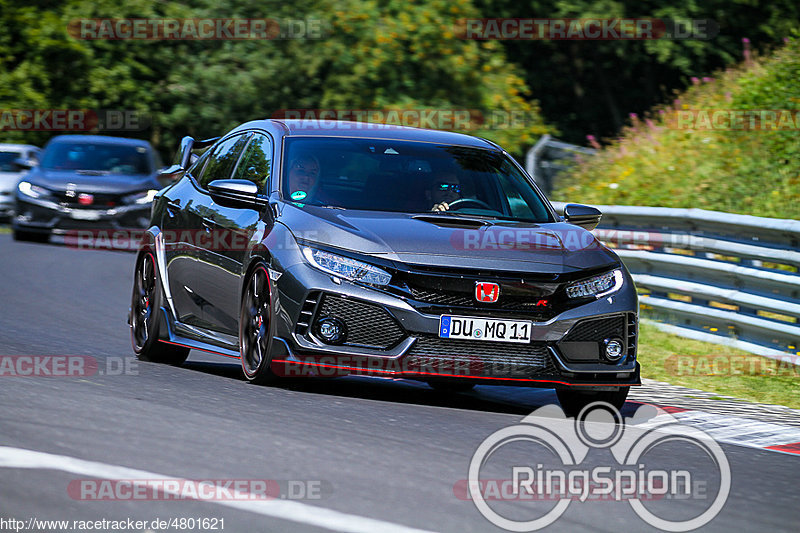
(346, 268)
(34, 191)
(597, 286)
(141, 198)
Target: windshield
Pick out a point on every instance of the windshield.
(407, 176)
(6, 160)
(103, 158)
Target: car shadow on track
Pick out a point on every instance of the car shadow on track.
(498, 399)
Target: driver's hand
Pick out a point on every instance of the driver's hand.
(442, 206)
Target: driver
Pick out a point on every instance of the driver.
(444, 191)
(304, 177)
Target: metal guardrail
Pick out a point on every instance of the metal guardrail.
(720, 277)
(548, 157)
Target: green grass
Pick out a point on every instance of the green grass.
(4, 229)
(716, 368)
(656, 163)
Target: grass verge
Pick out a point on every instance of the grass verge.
(716, 368)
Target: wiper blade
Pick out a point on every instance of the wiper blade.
(93, 172)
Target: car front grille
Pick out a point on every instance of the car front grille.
(479, 358)
(458, 299)
(534, 297)
(368, 325)
(98, 200)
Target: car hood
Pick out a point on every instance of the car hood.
(106, 184)
(443, 241)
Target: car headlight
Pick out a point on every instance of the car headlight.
(346, 268)
(34, 191)
(144, 197)
(597, 286)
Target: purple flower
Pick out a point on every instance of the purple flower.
(745, 40)
(706, 79)
(695, 80)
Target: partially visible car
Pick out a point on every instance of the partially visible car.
(87, 181)
(15, 161)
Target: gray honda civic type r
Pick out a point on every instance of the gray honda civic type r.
(308, 248)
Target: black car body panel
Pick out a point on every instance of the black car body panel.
(392, 328)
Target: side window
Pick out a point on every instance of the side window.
(256, 162)
(222, 160)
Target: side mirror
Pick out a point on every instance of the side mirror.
(169, 174)
(585, 216)
(237, 193)
(24, 164)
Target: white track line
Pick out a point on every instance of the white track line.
(282, 509)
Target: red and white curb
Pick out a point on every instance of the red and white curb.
(734, 430)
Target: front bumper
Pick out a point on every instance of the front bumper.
(7, 203)
(391, 336)
(44, 216)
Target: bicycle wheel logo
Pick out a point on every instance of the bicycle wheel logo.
(656, 494)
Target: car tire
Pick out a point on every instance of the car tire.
(453, 388)
(256, 328)
(30, 236)
(145, 316)
(573, 401)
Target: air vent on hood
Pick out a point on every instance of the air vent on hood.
(452, 222)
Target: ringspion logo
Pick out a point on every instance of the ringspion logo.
(642, 469)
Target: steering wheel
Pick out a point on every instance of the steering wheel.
(466, 201)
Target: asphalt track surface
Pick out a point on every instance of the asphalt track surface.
(379, 454)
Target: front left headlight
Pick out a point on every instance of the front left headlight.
(141, 198)
(597, 286)
(346, 268)
(34, 191)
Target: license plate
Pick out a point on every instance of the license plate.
(85, 215)
(484, 329)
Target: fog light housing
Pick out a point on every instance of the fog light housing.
(614, 349)
(331, 330)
